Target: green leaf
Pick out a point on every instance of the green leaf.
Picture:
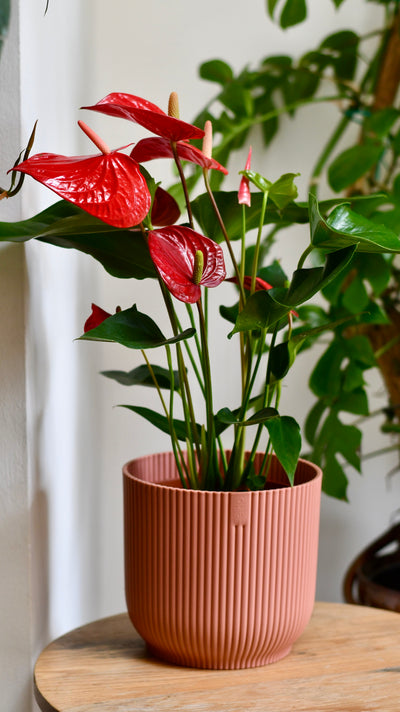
(229, 313)
(294, 12)
(258, 180)
(123, 253)
(284, 433)
(283, 191)
(353, 378)
(313, 420)
(325, 380)
(334, 481)
(140, 376)
(260, 312)
(228, 417)
(263, 309)
(355, 297)
(133, 329)
(238, 99)
(215, 70)
(381, 122)
(355, 402)
(353, 163)
(160, 421)
(345, 227)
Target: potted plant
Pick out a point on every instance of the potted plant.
(220, 542)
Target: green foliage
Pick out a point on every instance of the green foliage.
(5, 10)
(133, 329)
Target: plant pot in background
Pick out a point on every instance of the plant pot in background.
(219, 580)
(373, 579)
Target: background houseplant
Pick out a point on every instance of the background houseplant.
(366, 76)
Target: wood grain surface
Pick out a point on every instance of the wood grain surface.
(347, 660)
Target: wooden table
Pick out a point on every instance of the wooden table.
(347, 660)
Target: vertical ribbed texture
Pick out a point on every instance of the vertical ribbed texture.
(219, 580)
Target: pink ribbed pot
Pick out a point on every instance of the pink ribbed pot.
(219, 580)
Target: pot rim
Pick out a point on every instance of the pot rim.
(162, 486)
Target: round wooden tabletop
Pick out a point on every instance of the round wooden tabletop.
(347, 660)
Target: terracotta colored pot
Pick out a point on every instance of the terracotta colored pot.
(219, 580)
(373, 579)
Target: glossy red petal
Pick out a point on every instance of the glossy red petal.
(165, 210)
(148, 115)
(108, 186)
(261, 284)
(149, 149)
(173, 250)
(96, 318)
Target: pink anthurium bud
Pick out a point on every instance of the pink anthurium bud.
(96, 318)
(173, 251)
(149, 149)
(108, 186)
(207, 140)
(244, 195)
(165, 210)
(148, 115)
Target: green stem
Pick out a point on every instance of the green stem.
(225, 234)
(258, 242)
(183, 182)
(211, 460)
(180, 463)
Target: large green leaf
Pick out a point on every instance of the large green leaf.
(141, 376)
(215, 70)
(133, 329)
(284, 433)
(353, 163)
(159, 421)
(263, 309)
(123, 253)
(345, 227)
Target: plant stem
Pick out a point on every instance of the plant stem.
(211, 460)
(183, 182)
(225, 234)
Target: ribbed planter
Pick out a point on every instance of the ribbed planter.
(219, 580)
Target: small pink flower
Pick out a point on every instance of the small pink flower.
(173, 251)
(244, 195)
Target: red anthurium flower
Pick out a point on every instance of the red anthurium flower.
(174, 251)
(260, 283)
(165, 210)
(156, 147)
(244, 195)
(108, 185)
(96, 318)
(128, 106)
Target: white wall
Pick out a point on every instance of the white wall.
(70, 496)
